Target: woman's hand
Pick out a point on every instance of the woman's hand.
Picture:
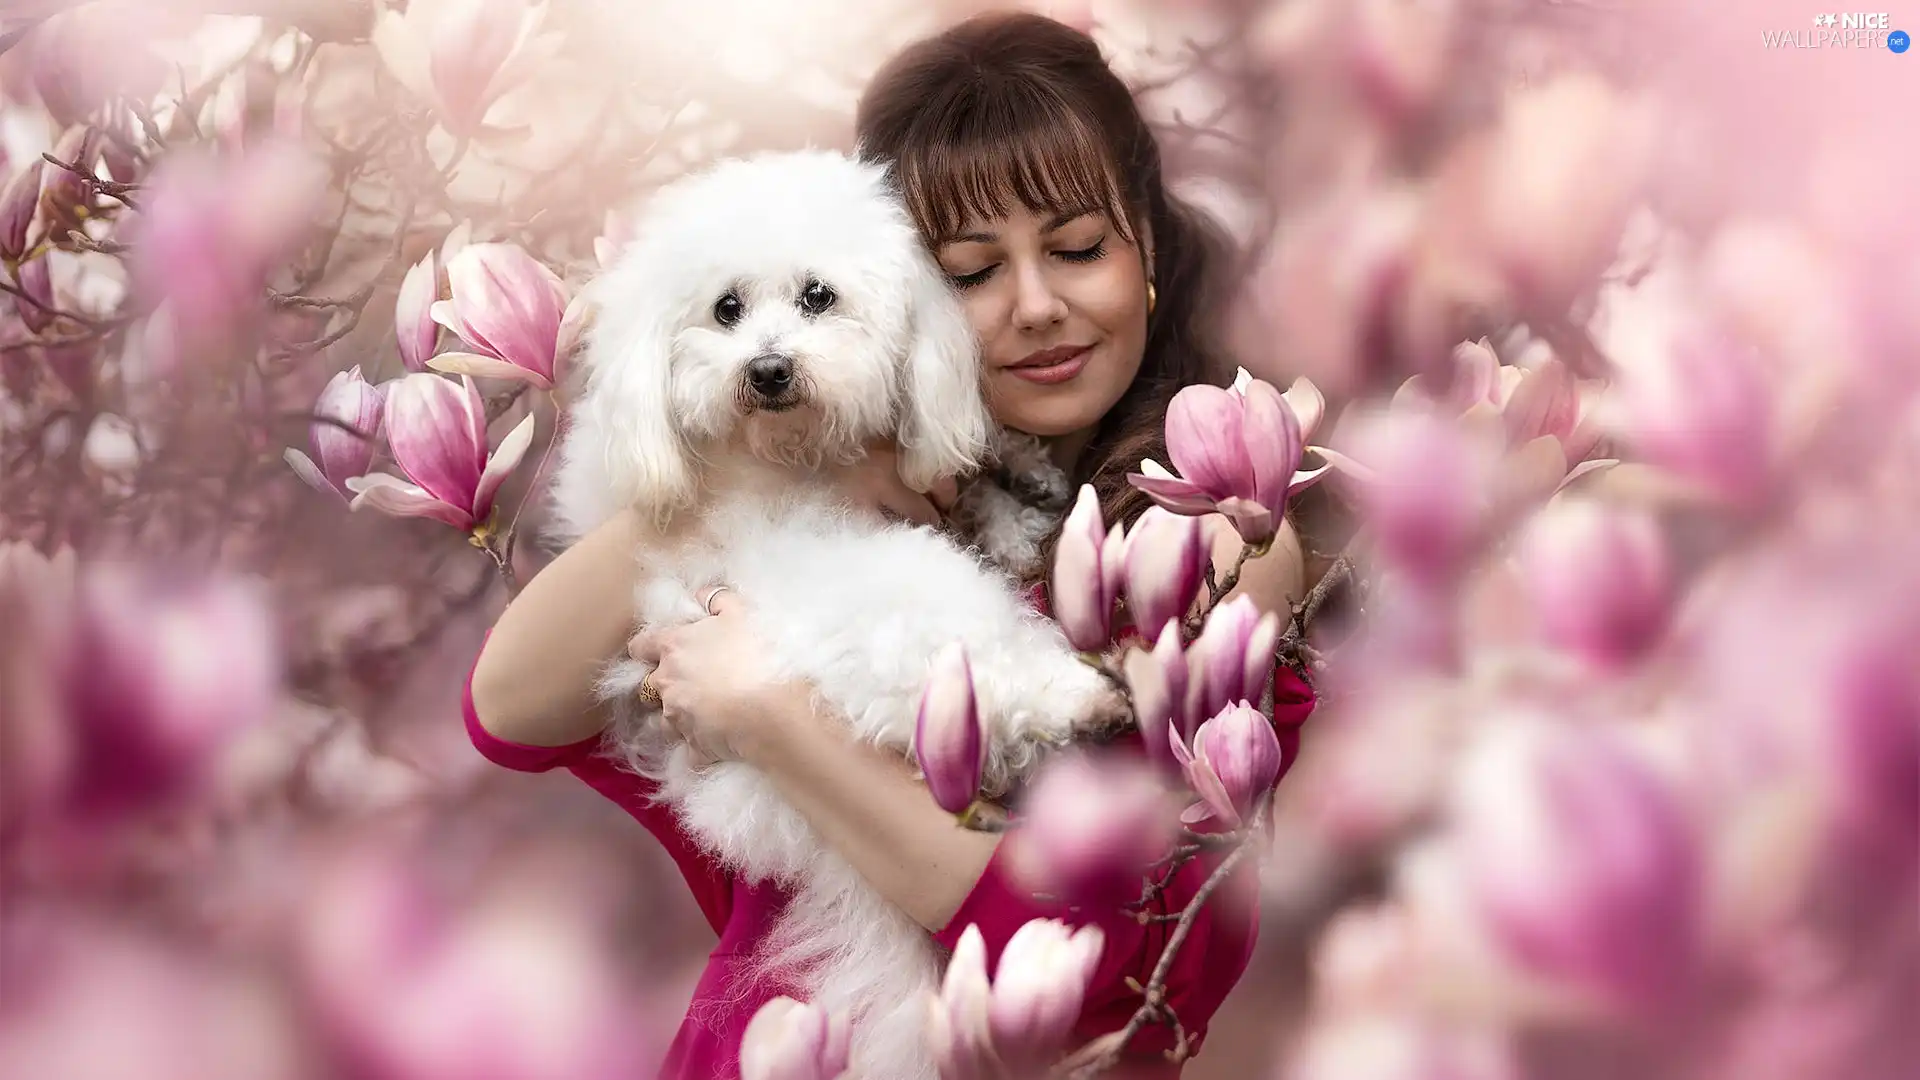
(714, 691)
(875, 481)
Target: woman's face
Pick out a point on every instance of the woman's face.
(1059, 302)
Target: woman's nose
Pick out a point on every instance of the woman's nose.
(1036, 303)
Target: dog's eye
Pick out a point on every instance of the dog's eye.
(816, 297)
(728, 309)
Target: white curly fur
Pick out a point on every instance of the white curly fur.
(858, 607)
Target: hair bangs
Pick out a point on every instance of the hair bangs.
(1029, 148)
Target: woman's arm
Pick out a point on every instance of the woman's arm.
(868, 806)
(533, 683)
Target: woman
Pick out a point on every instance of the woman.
(1037, 183)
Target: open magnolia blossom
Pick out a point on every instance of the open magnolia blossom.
(1238, 451)
(1526, 402)
(460, 56)
(1234, 761)
(437, 430)
(1017, 1024)
(509, 308)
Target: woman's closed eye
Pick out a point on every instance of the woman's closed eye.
(1092, 253)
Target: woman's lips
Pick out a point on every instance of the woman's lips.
(1053, 366)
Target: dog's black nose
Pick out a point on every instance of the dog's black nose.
(771, 375)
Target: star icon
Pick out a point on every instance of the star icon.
(1819, 19)
(1829, 19)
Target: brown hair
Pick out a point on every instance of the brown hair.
(1019, 106)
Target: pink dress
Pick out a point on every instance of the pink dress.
(707, 1046)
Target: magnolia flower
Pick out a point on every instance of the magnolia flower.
(1087, 565)
(1234, 761)
(791, 1040)
(413, 324)
(64, 194)
(1703, 410)
(1165, 561)
(1088, 830)
(437, 430)
(510, 308)
(18, 202)
(462, 55)
(1525, 403)
(948, 737)
(1019, 1022)
(1239, 453)
(1598, 578)
(1579, 859)
(1157, 683)
(1232, 659)
(346, 421)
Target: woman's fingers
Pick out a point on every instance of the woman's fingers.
(645, 646)
(908, 505)
(718, 599)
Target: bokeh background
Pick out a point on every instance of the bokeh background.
(1618, 770)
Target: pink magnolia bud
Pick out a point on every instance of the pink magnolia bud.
(1090, 829)
(18, 203)
(948, 737)
(348, 414)
(957, 1025)
(1234, 762)
(509, 308)
(160, 675)
(437, 429)
(790, 1040)
(1166, 562)
(1157, 682)
(1085, 578)
(1581, 861)
(1039, 987)
(64, 196)
(413, 323)
(1238, 451)
(1231, 660)
(1598, 579)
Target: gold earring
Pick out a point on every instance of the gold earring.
(1152, 297)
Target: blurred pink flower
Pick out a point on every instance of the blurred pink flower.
(1165, 558)
(1087, 566)
(1598, 578)
(1402, 1045)
(159, 675)
(499, 984)
(1703, 411)
(1238, 451)
(36, 308)
(37, 752)
(948, 738)
(1089, 829)
(343, 452)
(791, 1040)
(211, 229)
(1525, 403)
(65, 199)
(460, 56)
(1582, 862)
(437, 430)
(1017, 1024)
(1233, 763)
(509, 307)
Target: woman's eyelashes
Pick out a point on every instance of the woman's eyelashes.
(1092, 253)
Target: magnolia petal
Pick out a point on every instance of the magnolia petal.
(1255, 523)
(1597, 465)
(305, 469)
(1306, 478)
(1271, 434)
(1309, 405)
(1206, 784)
(487, 367)
(394, 496)
(403, 52)
(1175, 495)
(413, 321)
(444, 313)
(1204, 439)
(501, 465)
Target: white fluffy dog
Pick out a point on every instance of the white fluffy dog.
(772, 315)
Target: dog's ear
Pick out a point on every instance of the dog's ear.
(623, 447)
(944, 424)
